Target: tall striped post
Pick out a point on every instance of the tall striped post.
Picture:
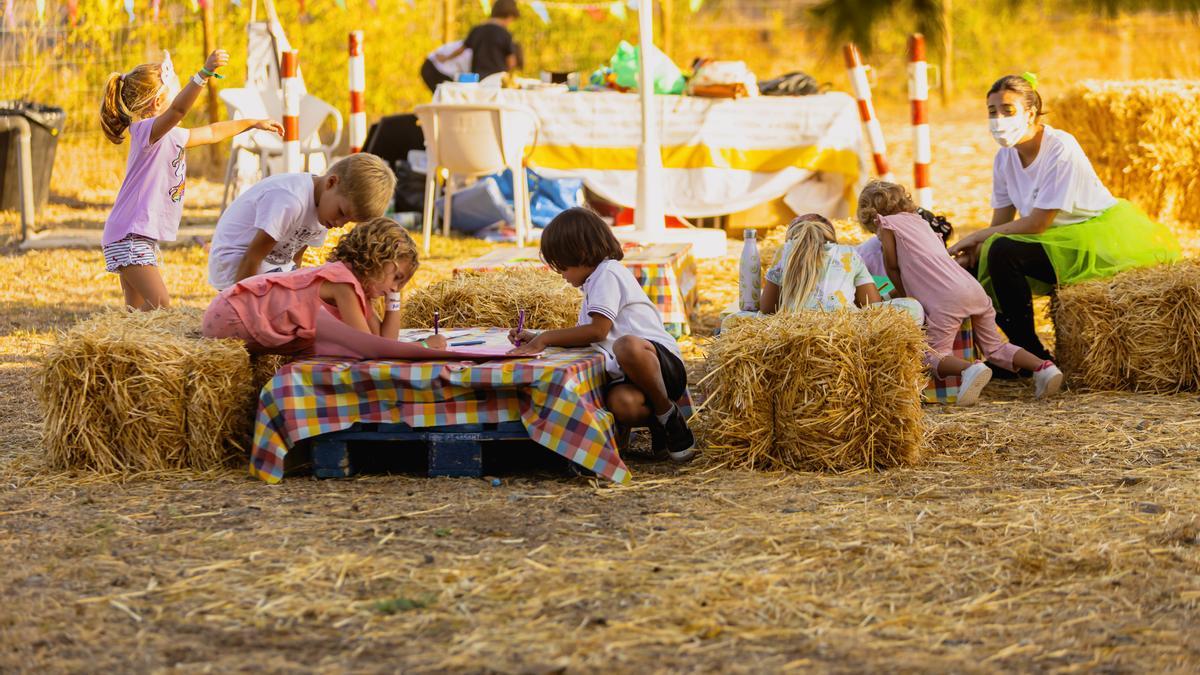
(918, 93)
(292, 161)
(866, 110)
(358, 85)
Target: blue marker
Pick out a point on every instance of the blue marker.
(467, 343)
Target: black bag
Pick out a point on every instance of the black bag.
(410, 187)
(792, 84)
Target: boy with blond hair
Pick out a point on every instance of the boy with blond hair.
(268, 228)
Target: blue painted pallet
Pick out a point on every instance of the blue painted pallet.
(454, 450)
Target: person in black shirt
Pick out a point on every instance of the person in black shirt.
(492, 47)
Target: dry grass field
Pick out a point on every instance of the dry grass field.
(1060, 536)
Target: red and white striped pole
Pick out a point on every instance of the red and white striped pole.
(292, 161)
(358, 85)
(866, 111)
(918, 93)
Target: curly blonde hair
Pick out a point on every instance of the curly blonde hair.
(129, 97)
(881, 198)
(373, 244)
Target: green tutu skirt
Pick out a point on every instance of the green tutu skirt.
(1121, 238)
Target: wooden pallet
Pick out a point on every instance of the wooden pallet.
(454, 450)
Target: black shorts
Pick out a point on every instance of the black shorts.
(674, 373)
(432, 76)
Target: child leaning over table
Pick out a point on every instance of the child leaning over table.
(325, 310)
(618, 320)
(268, 228)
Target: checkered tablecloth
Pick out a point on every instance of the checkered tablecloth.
(558, 397)
(667, 272)
(945, 389)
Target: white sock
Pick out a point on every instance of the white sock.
(662, 419)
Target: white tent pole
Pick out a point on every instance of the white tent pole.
(650, 215)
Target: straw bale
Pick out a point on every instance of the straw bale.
(1139, 330)
(486, 299)
(1141, 138)
(132, 392)
(816, 390)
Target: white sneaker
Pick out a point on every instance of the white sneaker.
(1047, 381)
(971, 383)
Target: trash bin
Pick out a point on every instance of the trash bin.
(46, 123)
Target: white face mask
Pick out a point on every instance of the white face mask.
(1008, 131)
(169, 79)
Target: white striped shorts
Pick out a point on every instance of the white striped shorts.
(134, 249)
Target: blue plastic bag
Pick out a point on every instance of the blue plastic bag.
(548, 197)
(476, 207)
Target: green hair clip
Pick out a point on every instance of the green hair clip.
(1031, 78)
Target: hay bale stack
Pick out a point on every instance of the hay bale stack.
(131, 392)
(1139, 330)
(816, 391)
(486, 299)
(1140, 136)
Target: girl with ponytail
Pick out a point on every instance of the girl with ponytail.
(815, 272)
(148, 103)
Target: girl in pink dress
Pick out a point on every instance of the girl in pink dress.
(325, 311)
(919, 266)
(148, 102)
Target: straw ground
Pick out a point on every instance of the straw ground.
(1053, 537)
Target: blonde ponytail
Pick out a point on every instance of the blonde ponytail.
(802, 269)
(129, 96)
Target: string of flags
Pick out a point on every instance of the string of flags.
(598, 11)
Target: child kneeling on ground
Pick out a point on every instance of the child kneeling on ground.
(919, 266)
(325, 310)
(618, 320)
(268, 228)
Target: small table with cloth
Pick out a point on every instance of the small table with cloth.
(558, 397)
(667, 272)
(719, 156)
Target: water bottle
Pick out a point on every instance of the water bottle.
(749, 273)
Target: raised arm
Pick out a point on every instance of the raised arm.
(174, 114)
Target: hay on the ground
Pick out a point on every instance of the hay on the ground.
(816, 390)
(486, 299)
(1139, 330)
(131, 392)
(1140, 136)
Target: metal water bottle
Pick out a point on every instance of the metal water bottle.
(749, 273)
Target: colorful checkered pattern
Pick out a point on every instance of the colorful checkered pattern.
(945, 390)
(667, 272)
(558, 397)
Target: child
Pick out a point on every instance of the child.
(918, 265)
(871, 251)
(268, 228)
(619, 321)
(435, 70)
(148, 102)
(325, 311)
(491, 44)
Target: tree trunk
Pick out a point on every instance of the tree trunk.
(448, 20)
(214, 104)
(946, 88)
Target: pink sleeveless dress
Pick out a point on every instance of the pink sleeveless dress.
(277, 312)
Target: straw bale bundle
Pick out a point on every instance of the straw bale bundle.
(1141, 138)
(1139, 330)
(487, 299)
(816, 390)
(131, 392)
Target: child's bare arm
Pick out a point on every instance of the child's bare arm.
(891, 263)
(299, 257)
(579, 336)
(174, 114)
(866, 294)
(255, 253)
(768, 302)
(346, 300)
(220, 131)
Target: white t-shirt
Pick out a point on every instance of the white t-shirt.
(455, 66)
(842, 272)
(612, 292)
(1060, 177)
(284, 207)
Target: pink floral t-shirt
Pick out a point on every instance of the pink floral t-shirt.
(150, 201)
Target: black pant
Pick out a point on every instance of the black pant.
(432, 76)
(1009, 263)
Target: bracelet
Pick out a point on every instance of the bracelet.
(198, 81)
(393, 302)
(393, 306)
(211, 73)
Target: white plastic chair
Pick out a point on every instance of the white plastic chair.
(242, 103)
(476, 139)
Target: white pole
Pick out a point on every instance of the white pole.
(649, 217)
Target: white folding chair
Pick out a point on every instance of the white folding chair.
(241, 103)
(475, 139)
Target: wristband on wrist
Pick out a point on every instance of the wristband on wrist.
(198, 81)
(393, 306)
(393, 302)
(211, 73)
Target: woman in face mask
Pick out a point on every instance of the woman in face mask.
(1053, 221)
